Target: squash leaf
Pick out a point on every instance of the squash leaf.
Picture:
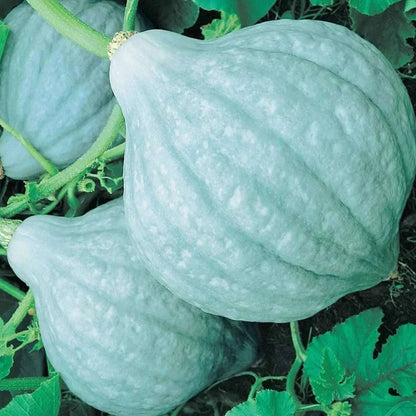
(388, 31)
(219, 27)
(266, 403)
(352, 342)
(371, 7)
(6, 353)
(6, 360)
(332, 384)
(248, 11)
(173, 15)
(45, 400)
(410, 9)
(383, 385)
(4, 33)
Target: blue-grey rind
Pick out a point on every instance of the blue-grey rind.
(265, 171)
(54, 93)
(121, 341)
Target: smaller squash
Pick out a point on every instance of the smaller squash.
(53, 92)
(121, 341)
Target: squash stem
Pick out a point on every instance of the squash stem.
(71, 27)
(11, 290)
(297, 343)
(23, 383)
(20, 313)
(311, 408)
(14, 208)
(114, 153)
(46, 164)
(130, 14)
(259, 382)
(297, 365)
(291, 380)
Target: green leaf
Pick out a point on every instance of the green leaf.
(109, 176)
(385, 385)
(173, 15)
(388, 31)
(266, 403)
(322, 2)
(248, 11)
(219, 27)
(340, 409)
(4, 33)
(352, 342)
(6, 360)
(332, 383)
(390, 380)
(410, 9)
(45, 400)
(371, 7)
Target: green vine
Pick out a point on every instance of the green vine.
(20, 313)
(71, 27)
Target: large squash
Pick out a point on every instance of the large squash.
(266, 171)
(120, 340)
(51, 91)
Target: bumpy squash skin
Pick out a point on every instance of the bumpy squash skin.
(266, 171)
(51, 91)
(121, 341)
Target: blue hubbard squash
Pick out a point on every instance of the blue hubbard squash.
(121, 341)
(51, 91)
(265, 171)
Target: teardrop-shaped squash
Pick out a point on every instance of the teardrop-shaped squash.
(54, 93)
(265, 171)
(121, 341)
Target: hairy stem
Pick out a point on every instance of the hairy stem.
(71, 27)
(45, 163)
(20, 313)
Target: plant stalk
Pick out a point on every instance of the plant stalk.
(11, 290)
(130, 14)
(297, 342)
(24, 383)
(20, 313)
(68, 25)
(114, 153)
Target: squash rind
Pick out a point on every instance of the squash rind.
(265, 171)
(121, 341)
